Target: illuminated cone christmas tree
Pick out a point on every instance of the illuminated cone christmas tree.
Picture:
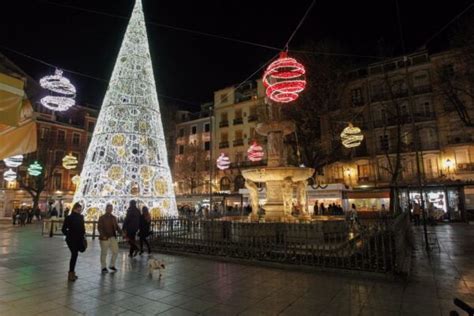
(127, 158)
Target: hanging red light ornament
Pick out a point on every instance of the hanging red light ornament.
(284, 79)
(255, 152)
(223, 162)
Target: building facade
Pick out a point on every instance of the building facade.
(404, 111)
(58, 134)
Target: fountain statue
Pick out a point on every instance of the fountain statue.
(280, 179)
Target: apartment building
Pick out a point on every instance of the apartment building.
(404, 94)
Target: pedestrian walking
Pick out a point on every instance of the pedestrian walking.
(75, 231)
(145, 222)
(131, 224)
(108, 232)
(416, 213)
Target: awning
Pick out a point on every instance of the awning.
(11, 99)
(368, 195)
(21, 139)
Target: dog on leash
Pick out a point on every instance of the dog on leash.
(155, 264)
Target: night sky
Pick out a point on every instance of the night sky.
(189, 67)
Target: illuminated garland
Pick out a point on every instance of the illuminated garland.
(35, 169)
(351, 136)
(223, 162)
(70, 162)
(255, 152)
(284, 79)
(9, 175)
(14, 161)
(61, 86)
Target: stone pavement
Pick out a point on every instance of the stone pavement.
(33, 273)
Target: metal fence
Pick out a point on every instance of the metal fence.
(378, 246)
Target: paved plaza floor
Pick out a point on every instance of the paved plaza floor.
(33, 272)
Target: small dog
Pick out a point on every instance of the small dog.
(155, 264)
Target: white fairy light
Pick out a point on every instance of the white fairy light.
(35, 169)
(65, 90)
(59, 84)
(127, 158)
(14, 161)
(56, 103)
(351, 136)
(70, 162)
(9, 175)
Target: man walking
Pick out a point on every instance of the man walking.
(108, 232)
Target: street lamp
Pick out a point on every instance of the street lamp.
(448, 163)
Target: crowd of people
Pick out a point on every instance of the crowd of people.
(136, 223)
(24, 215)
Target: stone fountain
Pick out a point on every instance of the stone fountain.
(279, 178)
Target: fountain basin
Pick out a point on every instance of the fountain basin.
(277, 174)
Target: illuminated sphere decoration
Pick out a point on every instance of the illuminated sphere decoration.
(35, 169)
(284, 79)
(255, 152)
(14, 161)
(9, 175)
(70, 162)
(64, 91)
(351, 136)
(223, 162)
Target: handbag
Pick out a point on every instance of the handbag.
(83, 245)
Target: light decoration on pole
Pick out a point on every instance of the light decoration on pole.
(35, 169)
(9, 175)
(255, 152)
(284, 79)
(127, 157)
(70, 162)
(64, 90)
(14, 161)
(223, 162)
(351, 136)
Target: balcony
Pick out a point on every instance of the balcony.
(238, 142)
(465, 167)
(422, 89)
(460, 139)
(224, 123)
(252, 118)
(224, 144)
(238, 121)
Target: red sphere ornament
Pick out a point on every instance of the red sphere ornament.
(255, 152)
(284, 79)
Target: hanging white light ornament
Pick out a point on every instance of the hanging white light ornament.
(76, 180)
(64, 90)
(70, 162)
(35, 169)
(14, 161)
(9, 175)
(223, 162)
(351, 136)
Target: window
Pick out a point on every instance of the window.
(224, 137)
(193, 130)
(207, 145)
(76, 139)
(183, 117)
(44, 133)
(61, 136)
(225, 184)
(207, 127)
(363, 171)
(238, 134)
(58, 157)
(181, 132)
(90, 127)
(383, 142)
(180, 149)
(356, 95)
(224, 98)
(238, 113)
(57, 181)
(224, 116)
(338, 172)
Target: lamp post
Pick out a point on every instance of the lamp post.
(448, 163)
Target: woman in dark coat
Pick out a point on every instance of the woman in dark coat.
(75, 231)
(131, 225)
(145, 221)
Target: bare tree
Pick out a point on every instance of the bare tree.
(192, 167)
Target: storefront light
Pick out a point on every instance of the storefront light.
(448, 163)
